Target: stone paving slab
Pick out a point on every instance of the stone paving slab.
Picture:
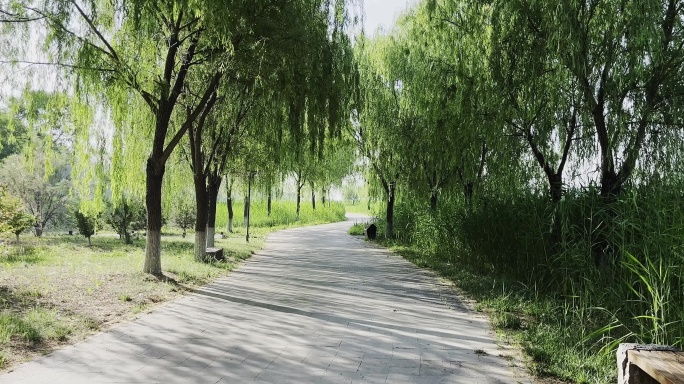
(315, 306)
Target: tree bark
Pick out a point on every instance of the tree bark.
(153, 197)
(299, 198)
(229, 204)
(433, 200)
(390, 210)
(249, 203)
(556, 187)
(323, 197)
(269, 201)
(468, 190)
(245, 211)
(213, 188)
(313, 196)
(202, 202)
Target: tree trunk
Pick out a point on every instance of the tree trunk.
(468, 191)
(89, 243)
(611, 186)
(229, 204)
(390, 210)
(249, 202)
(313, 196)
(213, 187)
(245, 211)
(17, 238)
(153, 199)
(231, 215)
(269, 201)
(323, 192)
(299, 198)
(39, 229)
(202, 201)
(433, 200)
(556, 187)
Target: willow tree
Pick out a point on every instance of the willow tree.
(540, 102)
(626, 57)
(115, 50)
(440, 50)
(378, 120)
(226, 135)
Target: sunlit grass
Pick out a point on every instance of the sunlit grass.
(57, 289)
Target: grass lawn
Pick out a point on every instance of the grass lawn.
(362, 208)
(56, 289)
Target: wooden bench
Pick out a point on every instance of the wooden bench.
(650, 364)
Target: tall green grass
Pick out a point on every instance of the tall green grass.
(531, 264)
(283, 213)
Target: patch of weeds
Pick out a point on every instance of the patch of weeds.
(506, 320)
(357, 230)
(140, 308)
(12, 326)
(481, 352)
(89, 324)
(49, 325)
(3, 360)
(125, 297)
(21, 255)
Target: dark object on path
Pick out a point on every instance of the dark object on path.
(215, 254)
(371, 232)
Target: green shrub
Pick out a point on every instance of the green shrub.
(357, 229)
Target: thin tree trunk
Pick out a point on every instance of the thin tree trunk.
(433, 200)
(89, 243)
(153, 197)
(17, 238)
(390, 210)
(323, 197)
(213, 187)
(269, 201)
(556, 187)
(249, 202)
(245, 211)
(202, 205)
(229, 204)
(313, 196)
(299, 198)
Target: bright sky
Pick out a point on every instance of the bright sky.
(383, 13)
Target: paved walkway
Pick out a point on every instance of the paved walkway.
(315, 306)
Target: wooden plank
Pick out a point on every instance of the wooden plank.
(664, 366)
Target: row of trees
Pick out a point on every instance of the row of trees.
(195, 90)
(538, 144)
(526, 94)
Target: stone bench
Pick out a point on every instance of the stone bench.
(215, 254)
(650, 364)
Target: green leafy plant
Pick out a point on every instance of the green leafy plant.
(87, 224)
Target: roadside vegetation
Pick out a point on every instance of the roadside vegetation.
(532, 153)
(58, 289)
